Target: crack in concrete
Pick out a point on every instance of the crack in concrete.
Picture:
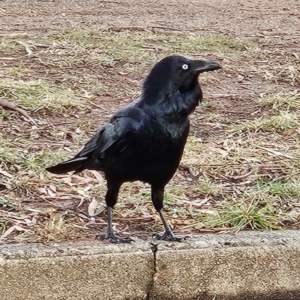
(154, 248)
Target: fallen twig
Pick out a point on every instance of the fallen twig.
(26, 46)
(277, 153)
(11, 106)
(241, 177)
(213, 96)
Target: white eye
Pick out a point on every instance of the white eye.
(185, 67)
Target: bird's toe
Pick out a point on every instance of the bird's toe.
(114, 238)
(169, 236)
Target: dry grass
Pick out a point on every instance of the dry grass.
(241, 164)
(37, 95)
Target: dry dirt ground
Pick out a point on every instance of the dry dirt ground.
(71, 64)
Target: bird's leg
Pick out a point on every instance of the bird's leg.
(110, 235)
(157, 199)
(168, 234)
(111, 199)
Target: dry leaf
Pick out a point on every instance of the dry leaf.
(224, 153)
(289, 132)
(52, 187)
(5, 173)
(98, 176)
(51, 194)
(93, 206)
(10, 230)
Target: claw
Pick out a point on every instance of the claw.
(114, 238)
(169, 236)
(110, 236)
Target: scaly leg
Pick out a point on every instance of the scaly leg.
(157, 193)
(110, 235)
(111, 198)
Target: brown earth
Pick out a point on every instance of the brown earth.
(275, 25)
(276, 19)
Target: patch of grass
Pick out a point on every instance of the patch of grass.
(109, 47)
(38, 161)
(94, 85)
(16, 71)
(257, 215)
(9, 46)
(13, 155)
(74, 37)
(281, 101)
(213, 117)
(285, 71)
(57, 226)
(7, 152)
(142, 193)
(213, 43)
(209, 105)
(193, 146)
(283, 189)
(5, 203)
(293, 74)
(207, 187)
(5, 115)
(38, 95)
(3, 225)
(88, 124)
(283, 121)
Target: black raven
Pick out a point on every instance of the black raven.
(145, 140)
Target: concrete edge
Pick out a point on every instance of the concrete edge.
(248, 265)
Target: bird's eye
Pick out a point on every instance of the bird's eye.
(184, 66)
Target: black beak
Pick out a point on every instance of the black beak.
(200, 66)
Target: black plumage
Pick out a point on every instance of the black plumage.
(145, 140)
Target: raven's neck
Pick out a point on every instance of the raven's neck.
(171, 103)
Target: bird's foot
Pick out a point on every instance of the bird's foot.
(169, 236)
(114, 238)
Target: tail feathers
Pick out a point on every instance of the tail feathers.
(74, 164)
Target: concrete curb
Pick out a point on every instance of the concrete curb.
(247, 265)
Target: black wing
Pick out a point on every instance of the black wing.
(111, 138)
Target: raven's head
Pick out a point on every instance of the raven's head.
(175, 79)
